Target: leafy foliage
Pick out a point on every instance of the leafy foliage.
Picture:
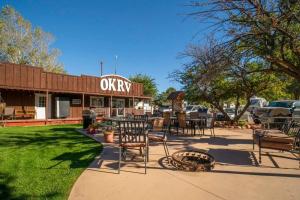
(150, 87)
(269, 30)
(218, 73)
(20, 43)
(161, 99)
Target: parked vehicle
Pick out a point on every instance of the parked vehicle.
(283, 108)
(165, 109)
(296, 110)
(192, 108)
(256, 102)
(230, 112)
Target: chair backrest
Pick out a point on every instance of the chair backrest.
(286, 126)
(9, 111)
(2, 106)
(167, 118)
(132, 131)
(194, 115)
(181, 120)
(211, 121)
(141, 117)
(158, 124)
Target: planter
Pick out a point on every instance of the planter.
(109, 136)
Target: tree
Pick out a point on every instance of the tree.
(268, 29)
(218, 73)
(162, 97)
(150, 88)
(20, 43)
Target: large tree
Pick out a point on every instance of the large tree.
(162, 97)
(218, 74)
(150, 87)
(20, 43)
(268, 29)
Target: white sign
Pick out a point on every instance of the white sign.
(115, 83)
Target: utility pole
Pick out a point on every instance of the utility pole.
(101, 68)
(116, 64)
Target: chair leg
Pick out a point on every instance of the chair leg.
(145, 159)
(120, 157)
(259, 150)
(214, 131)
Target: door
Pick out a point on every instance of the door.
(40, 106)
(119, 106)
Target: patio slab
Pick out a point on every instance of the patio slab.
(236, 175)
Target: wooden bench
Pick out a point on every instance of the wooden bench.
(24, 114)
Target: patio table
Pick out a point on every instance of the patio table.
(201, 122)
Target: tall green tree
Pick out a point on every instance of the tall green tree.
(218, 74)
(150, 87)
(21, 43)
(162, 97)
(268, 29)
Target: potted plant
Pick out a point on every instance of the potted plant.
(92, 129)
(108, 131)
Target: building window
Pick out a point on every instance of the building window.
(97, 102)
(130, 103)
(42, 101)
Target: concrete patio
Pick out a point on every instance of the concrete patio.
(236, 175)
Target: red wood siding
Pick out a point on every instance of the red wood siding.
(34, 78)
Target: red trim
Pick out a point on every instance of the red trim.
(35, 122)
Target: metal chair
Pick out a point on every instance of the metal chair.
(141, 117)
(181, 117)
(167, 120)
(280, 141)
(285, 128)
(133, 134)
(210, 124)
(157, 133)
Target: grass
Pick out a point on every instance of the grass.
(42, 162)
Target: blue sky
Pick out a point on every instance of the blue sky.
(147, 35)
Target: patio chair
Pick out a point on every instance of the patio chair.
(159, 134)
(210, 124)
(133, 134)
(181, 124)
(9, 113)
(280, 141)
(167, 120)
(141, 117)
(285, 128)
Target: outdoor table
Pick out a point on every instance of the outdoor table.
(201, 122)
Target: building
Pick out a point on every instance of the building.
(44, 97)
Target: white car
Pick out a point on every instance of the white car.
(192, 108)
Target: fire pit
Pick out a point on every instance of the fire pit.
(193, 160)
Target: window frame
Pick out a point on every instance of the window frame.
(97, 97)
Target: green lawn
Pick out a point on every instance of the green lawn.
(42, 162)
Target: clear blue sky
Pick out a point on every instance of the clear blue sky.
(147, 35)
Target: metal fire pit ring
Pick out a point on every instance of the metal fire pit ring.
(193, 160)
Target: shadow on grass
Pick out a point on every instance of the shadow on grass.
(52, 136)
(8, 192)
(79, 159)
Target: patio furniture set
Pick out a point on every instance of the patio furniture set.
(136, 132)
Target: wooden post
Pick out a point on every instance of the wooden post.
(47, 106)
(133, 108)
(110, 106)
(82, 101)
(143, 106)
